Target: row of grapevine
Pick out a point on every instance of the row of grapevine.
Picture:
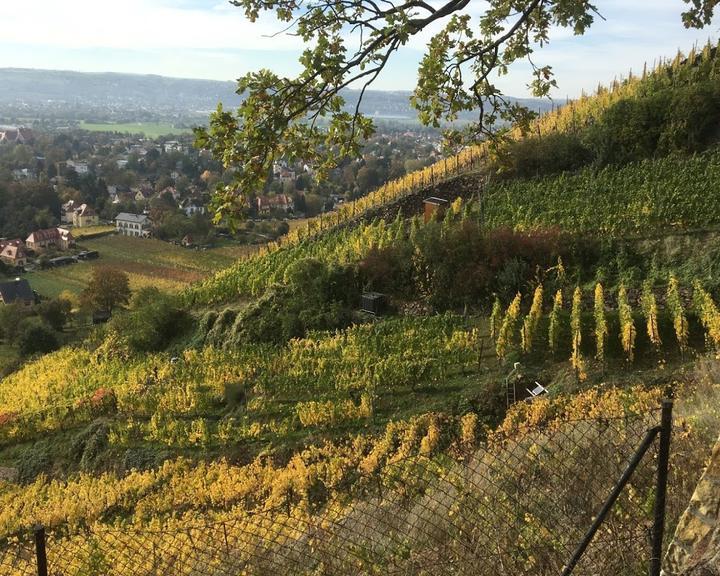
(317, 380)
(671, 192)
(507, 324)
(180, 493)
(682, 69)
(639, 198)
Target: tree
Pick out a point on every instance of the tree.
(37, 339)
(108, 288)
(11, 316)
(55, 313)
(700, 13)
(349, 44)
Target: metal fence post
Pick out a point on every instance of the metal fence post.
(610, 501)
(661, 488)
(40, 551)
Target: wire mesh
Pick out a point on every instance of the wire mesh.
(518, 505)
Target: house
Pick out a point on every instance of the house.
(173, 146)
(20, 174)
(79, 167)
(133, 224)
(67, 212)
(172, 191)
(15, 135)
(59, 238)
(142, 194)
(114, 193)
(287, 177)
(192, 206)
(17, 292)
(266, 204)
(84, 216)
(12, 252)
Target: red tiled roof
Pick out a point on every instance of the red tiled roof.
(48, 235)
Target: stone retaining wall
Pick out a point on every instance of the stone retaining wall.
(695, 550)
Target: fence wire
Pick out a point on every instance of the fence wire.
(517, 506)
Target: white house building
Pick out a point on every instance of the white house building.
(133, 225)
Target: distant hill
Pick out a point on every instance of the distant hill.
(58, 90)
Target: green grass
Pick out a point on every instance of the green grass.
(148, 262)
(149, 129)
(92, 231)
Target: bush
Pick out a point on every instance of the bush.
(154, 320)
(55, 313)
(387, 269)
(550, 154)
(89, 445)
(314, 296)
(37, 339)
(34, 461)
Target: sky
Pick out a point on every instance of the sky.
(211, 39)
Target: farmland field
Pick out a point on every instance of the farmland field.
(149, 129)
(148, 262)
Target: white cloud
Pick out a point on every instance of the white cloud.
(137, 25)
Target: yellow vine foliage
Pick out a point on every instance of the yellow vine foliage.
(554, 326)
(524, 417)
(627, 324)
(601, 329)
(532, 320)
(576, 359)
(708, 313)
(506, 336)
(677, 311)
(650, 311)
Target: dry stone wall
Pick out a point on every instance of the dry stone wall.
(695, 550)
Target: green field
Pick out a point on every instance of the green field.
(149, 129)
(92, 231)
(148, 262)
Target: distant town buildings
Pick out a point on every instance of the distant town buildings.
(133, 225)
(283, 202)
(79, 215)
(79, 167)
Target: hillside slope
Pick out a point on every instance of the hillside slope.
(278, 429)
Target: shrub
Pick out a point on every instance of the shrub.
(154, 320)
(314, 297)
(549, 154)
(37, 339)
(34, 461)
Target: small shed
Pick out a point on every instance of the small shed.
(435, 208)
(101, 316)
(373, 303)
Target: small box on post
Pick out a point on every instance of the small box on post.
(373, 303)
(435, 208)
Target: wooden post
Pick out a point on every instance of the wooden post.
(40, 551)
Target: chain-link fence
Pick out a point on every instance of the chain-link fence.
(518, 505)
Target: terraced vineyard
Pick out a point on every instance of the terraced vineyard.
(254, 442)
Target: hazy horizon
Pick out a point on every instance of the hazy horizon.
(211, 40)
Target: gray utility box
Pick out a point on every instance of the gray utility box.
(373, 303)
